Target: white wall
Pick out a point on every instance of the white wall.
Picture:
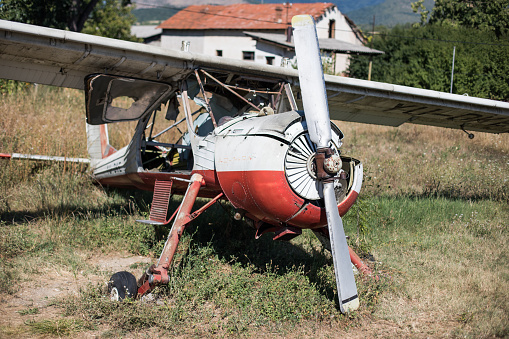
(264, 50)
(233, 42)
(343, 30)
(173, 40)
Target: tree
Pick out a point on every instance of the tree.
(66, 14)
(113, 18)
(422, 57)
(487, 15)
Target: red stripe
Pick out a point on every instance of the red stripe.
(267, 196)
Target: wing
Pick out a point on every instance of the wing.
(62, 58)
(386, 104)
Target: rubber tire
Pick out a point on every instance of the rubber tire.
(122, 285)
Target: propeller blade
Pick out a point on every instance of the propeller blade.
(345, 280)
(312, 85)
(316, 110)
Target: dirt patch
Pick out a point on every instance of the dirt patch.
(34, 298)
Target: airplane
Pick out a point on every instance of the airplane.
(227, 129)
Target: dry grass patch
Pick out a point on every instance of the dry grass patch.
(433, 211)
(429, 161)
(453, 267)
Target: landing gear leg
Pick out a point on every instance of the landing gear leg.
(158, 274)
(323, 235)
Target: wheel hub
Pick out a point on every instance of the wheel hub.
(114, 294)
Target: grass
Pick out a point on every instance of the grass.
(431, 218)
(56, 328)
(454, 258)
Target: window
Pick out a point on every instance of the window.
(332, 29)
(247, 55)
(270, 60)
(219, 52)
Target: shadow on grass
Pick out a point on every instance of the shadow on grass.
(234, 242)
(132, 202)
(456, 193)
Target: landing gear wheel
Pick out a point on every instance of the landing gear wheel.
(122, 285)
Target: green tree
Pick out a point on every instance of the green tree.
(487, 15)
(111, 18)
(62, 14)
(422, 57)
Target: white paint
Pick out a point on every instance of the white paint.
(311, 80)
(249, 153)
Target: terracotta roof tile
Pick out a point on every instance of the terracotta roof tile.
(242, 16)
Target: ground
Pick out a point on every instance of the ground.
(52, 284)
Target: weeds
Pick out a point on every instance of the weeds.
(222, 297)
(431, 221)
(29, 311)
(59, 327)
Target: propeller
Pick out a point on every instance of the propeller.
(328, 163)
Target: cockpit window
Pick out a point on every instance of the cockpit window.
(113, 98)
(243, 93)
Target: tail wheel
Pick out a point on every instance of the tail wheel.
(122, 285)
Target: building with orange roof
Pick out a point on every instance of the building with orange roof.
(259, 32)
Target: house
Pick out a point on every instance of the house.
(150, 34)
(260, 32)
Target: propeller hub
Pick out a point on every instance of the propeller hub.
(328, 163)
(332, 164)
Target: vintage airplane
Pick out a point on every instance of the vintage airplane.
(228, 129)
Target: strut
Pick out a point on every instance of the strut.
(158, 274)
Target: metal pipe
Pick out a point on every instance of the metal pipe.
(232, 91)
(356, 260)
(180, 223)
(452, 71)
(209, 109)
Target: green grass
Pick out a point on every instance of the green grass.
(56, 328)
(432, 220)
(29, 311)
(217, 289)
(451, 253)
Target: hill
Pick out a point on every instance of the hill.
(156, 11)
(388, 12)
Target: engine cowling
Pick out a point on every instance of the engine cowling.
(265, 167)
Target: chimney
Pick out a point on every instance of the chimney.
(289, 32)
(279, 14)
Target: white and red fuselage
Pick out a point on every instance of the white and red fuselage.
(260, 163)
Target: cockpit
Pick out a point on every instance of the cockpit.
(207, 100)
